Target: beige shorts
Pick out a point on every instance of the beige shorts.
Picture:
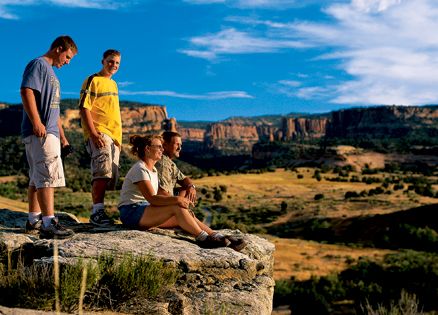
(44, 158)
(104, 161)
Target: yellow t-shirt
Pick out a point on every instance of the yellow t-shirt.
(100, 96)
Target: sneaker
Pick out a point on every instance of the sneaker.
(212, 242)
(33, 229)
(55, 230)
(236, 243)
(100, 218)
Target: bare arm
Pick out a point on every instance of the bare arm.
(187, 189)
(30, 107)
(160, 200)
(162, 192)
(95, 136)
(62, 136)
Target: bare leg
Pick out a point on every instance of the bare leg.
(45, 197)
(98, 190)
(171, 223)
(34, 206)
(155, 216)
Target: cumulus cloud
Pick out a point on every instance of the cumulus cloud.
(387, 48)
(207, 96)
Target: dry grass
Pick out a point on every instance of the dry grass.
(15, 205)
(281, 185)
(299, 258)
(303, 259)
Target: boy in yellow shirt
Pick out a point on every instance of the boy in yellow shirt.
(102, 127)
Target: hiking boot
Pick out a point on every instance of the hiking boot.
(236, 243)
(100, 218)
(33, 229)
(212, 242)
(55, 230)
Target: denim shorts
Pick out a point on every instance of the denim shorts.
(130, 215)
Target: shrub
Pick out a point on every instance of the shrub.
(223, 188)
(351, 194)
(407, 305)
(318, 197)
(283, 206)
(111, 283)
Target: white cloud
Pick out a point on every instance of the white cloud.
(293, 88)
(204, 1)
(388, 47)
(232, 41)
(290, 83)
(374, 5)
(207, 96)
(7, 5)
(257, 4)
(124, 83)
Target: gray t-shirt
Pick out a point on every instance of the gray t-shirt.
(40, 77)
(130, 193)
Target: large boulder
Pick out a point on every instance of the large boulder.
(212, 280)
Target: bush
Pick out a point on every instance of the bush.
(373, 284)
(110, 283)
(223, 188)
(283, 206)
(351, 194)
(318, 197)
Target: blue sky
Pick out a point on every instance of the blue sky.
(212, 59)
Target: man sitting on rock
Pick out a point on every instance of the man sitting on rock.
(169, 174)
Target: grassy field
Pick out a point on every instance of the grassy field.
(298, 258)
(274, 187)
(303, 259)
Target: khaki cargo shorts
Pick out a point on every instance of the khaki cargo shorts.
(104, 161)
(44, 158)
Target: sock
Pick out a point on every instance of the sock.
(202, 236)
(97, 206)
(47, 220)
(34, 217)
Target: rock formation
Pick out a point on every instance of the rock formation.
(303, 128)
(382, 121)
(212, 279)
(237, 136)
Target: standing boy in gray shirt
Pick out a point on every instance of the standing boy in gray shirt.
(43, 135)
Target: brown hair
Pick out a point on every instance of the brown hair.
(168, 135)
(66, 42)
(110, 52)
(139, 143)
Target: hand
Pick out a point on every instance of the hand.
(184, 202)
(66, 150)
(64, 142)
(191, 194)
(39, 129)
(97, 139)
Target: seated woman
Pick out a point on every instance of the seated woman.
(142, 208)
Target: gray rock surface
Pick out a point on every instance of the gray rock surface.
(213, 280)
